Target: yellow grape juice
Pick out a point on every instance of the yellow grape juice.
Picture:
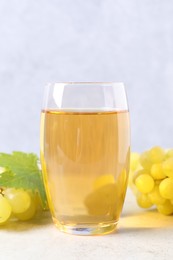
(85, 163)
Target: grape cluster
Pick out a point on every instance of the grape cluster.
(17, 203)
(151, 179)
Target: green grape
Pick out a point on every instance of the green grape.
(29, 213)
(144, 183)
(134, 161)
(166, 208)
(152, 182)
(155, 196)
(168, 167)
(166, 188)
(145, 161)
(143, 200)
(19, 200)
(138, 173)
(5, 209)
(156, 154)
(157, 171)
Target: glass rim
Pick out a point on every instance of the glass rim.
(86, 82)
(115, 99)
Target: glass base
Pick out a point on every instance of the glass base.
(87, 230)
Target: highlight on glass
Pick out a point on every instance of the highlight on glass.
(85, 149)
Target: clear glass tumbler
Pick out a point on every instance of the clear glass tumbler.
(85, 149)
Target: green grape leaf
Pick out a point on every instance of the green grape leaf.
(22, 171)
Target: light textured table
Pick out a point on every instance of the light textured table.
(140, 235)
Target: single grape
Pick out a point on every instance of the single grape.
(19, 199)
(166, 188)
(145, 160)
(144, 183)
(134, 161)
(156, 197)
(138, 173)
(166, 208)
(157, 171)
(168, 167)
(156, 154)
(5, 209)
(143, 200)
(29, 213)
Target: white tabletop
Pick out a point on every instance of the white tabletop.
(140, 235)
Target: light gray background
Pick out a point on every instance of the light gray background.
(79, 40)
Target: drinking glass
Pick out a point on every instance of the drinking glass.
(85, 148)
